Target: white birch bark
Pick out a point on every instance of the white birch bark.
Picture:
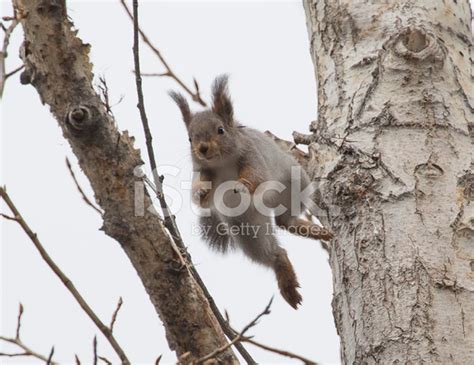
(393, 146)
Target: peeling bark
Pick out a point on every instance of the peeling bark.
(57, 65)
(394, 142)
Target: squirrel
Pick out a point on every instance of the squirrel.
(226, 152)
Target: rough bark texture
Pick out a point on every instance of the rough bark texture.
(57, 65)
(394, 148)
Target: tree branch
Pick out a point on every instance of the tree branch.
(169, 219)
(4, 75)
(65, 280)
(57, 65)
(242, 338)
(84, 196)
(27, 352)
(196, 96)
(114, 316)
(280, 352)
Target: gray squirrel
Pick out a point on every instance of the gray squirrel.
(226, 153)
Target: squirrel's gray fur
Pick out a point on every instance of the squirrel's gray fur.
(223, 151)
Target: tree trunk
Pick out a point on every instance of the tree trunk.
(393, 148)
(57, 65)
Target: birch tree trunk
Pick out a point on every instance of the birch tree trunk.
(57, 65)
(393, 146)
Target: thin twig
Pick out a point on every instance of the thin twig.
(104, 92)
(15, 70)
(237, 338)
(27, 351)
(114, 315)
(8, 217)
(196, 96)
(18, 342)
(3, 53)
(280, 352)
(158, 359)
(65, 280)
(242, 338)
(18, 324)
(76, 358)
(94, 349)
(84, 196)
(19, 354)
(169, 220)
(50, 357)
(104, 359)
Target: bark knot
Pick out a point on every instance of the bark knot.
(80, 120)
(417, 44)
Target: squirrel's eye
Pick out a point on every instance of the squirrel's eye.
(189, 139)
(220, 130)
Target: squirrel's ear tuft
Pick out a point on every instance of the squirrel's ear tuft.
(183, 106)
(221, 103)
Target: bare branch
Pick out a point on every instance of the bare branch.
(3, 53)
(76, 358)
(8, 217)
(169, 219)
(104, 91)
(108, 158)
(18, 325)
(84, 196)
(27, 351)
(19, 354)
(65, 280)
(196, 96)
(104, 359)
(157, 361)
(50, 357)
(237, 338)
(15, 70)
(242, 338)
(94, 349)
(281, 352)
(114, 316)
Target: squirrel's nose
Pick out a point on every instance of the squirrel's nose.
(203, 147)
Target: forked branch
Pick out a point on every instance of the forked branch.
(242, 338)
(65, 280)
(4, 75)
(26, 351)
(195, 95)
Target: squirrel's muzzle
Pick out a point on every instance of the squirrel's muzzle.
(203, 148)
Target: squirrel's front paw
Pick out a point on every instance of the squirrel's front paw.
(242, 186)
(200, 195)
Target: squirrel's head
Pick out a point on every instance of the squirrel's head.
(212, 133)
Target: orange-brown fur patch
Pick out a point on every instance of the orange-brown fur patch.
(287, 280)
(306, 229)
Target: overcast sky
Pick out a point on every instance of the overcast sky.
(264, 47)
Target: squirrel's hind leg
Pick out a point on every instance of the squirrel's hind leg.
(262, 246)
(287, 280)
(303, 227)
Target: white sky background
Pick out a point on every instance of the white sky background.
(265, 48)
